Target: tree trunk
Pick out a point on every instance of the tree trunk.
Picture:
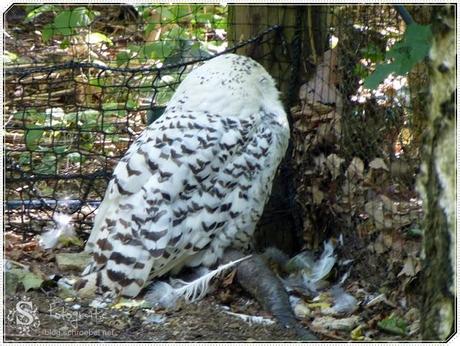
(418, 88)
(289, 59)
(437, 182)
(304, 30)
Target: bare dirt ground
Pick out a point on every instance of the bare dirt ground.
(202, 321)
(55, 316)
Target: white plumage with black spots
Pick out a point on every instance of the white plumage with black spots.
(195, 181)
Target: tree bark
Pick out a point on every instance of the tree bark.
(437, 182)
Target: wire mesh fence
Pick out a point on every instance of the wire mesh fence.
(75, 104)
(81, 82)
(356, 151)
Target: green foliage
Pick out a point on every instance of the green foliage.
(67, 21)
(183, 32)
(51, 136)
(394, 325)
(403, 56)
(35, 11)
(56, 138)
(33, 135)
(17, 277)
(373, 53)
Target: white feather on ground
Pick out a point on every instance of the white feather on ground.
(163, 294)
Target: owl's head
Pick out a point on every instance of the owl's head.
(230, 85)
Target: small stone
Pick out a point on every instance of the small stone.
(72, 261)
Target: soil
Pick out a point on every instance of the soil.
(201, 321)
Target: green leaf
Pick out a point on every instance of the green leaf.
(61, 23)
(38, 11)
(361, 71)
(24, 158)
(66, 241)
(178, 12)
(9, 57)
(67, 21)
(158, 49)
(47, 165)
(31, 281)
(373, 53)
(204, 17)
(415, 232)
(74, 157)
(33, 136)
(96, 37)
(381, 72)
(28, 279)
(123, 58)
(60, 149)
(177, 33)
(220, 24)
(47, 32)
(131, 105)
(114, 138)
(411, 49)
(80, 17)
(97, 82)
(65, 44)
(114, 108)
(88, 119)
(394, 325)
(166, 14)
(111, 106)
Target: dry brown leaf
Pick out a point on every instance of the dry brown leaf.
(378, 163)
(327, 323)
(355, 170)
(228, 280)
(318, 195)
(409, 268)
(374, 209)
(333, 163)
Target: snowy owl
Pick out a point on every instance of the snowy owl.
(194, 183)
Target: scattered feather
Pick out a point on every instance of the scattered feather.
(66, 283)
(162, 294)
(252, 319)
(197, 289)
(131, 303)
(101, 302)
(307, 273)
(324, 265)
(165, 295)
(344, 277)
(62, 229)
(344, 303)
(381, 298)
(155, 319)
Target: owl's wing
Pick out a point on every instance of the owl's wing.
(172, 170)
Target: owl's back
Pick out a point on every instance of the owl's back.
(193, 184)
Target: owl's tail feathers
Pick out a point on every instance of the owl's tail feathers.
(126, 280)
(100, 282)
(86, 286)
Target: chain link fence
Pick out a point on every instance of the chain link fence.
(81, 82)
